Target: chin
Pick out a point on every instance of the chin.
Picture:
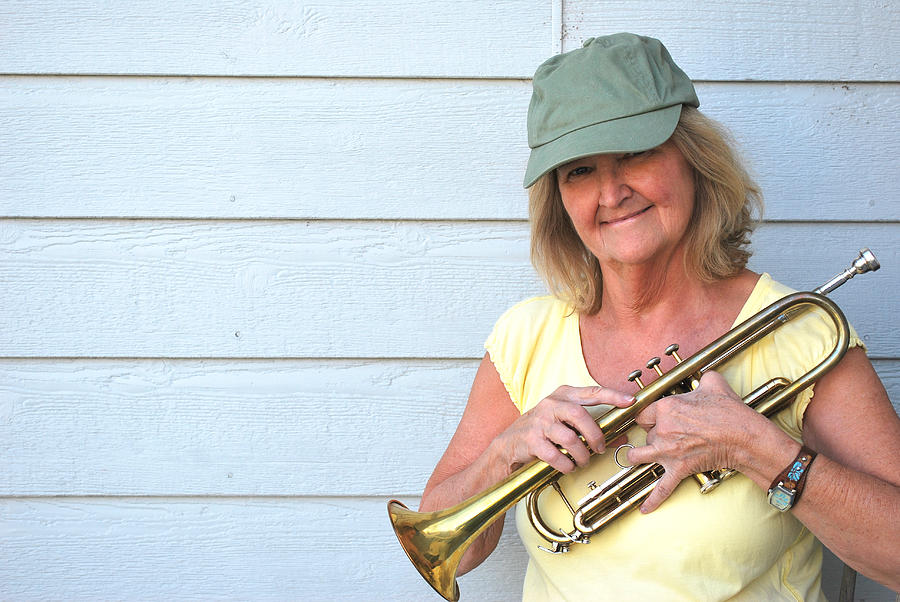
(633, 255)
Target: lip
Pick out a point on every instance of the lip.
(625, 218)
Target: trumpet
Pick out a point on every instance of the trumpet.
(436, 541)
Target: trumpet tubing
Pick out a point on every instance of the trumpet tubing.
(436, 541)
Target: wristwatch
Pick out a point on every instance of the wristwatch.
(787, 486)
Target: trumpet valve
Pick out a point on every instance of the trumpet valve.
(694, 380)
(653, 364)
(635, 377)
(672, 350)
(707, 480)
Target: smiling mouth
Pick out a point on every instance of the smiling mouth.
(626, 217)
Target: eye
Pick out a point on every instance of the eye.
(577, 171)
(627, 156)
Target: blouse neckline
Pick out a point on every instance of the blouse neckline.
(749, 308)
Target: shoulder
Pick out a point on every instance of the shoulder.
(766, 291)
(792, 350)
(816, 323)
(527, 319)
(526, 340)
(805, 338)
(541, 308)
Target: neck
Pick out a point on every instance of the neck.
(635, 289)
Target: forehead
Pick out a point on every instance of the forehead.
(668, 145)
(592, 160)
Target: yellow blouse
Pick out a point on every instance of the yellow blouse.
(726, 545)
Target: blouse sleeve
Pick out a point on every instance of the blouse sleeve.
(798, 347)
(512, 343)
(497, 345)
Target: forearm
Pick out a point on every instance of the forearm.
(856, 515)
(493, 440)
(487, 470)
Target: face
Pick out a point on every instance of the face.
(630, 208)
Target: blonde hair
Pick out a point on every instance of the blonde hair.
(727, 205)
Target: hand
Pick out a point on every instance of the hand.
(556, 422)
(705, 429)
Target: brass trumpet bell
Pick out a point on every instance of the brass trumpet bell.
(434, 548)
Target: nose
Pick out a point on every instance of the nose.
(612, 186)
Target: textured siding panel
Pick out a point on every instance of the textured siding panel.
(397, 149)
(301, 321)
(214, 427)
(330, 289)
(829, 40)
(233, 428)
(236, 548)
(753, 39)
(222, 549)
(404, 38)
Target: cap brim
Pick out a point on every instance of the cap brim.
(624, 135)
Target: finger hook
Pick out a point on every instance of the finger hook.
(616, 455)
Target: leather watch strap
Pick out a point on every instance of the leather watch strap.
(793, 478)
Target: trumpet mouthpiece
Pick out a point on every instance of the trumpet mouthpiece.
(866, 262)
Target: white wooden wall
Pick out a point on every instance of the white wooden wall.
(250, 251)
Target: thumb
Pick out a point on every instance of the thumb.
(647, 418)
(644, 454)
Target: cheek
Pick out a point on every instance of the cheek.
(689, 203)
(680, 198)
(580, 214)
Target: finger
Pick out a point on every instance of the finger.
(711, 378)
(591, 396)
(647, 418)
(578, 418)
(645, 454)
(550, 454)
(714, 382)
(664, 488)
(566, 438)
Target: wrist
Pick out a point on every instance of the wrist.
(502, 459)
(767, 454)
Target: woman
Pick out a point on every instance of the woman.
(640, 221)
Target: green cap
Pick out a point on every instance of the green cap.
(617, 94)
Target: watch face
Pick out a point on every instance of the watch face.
(781, 498)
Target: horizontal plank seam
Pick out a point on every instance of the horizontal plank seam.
(202, 498)
(278, 358)
(375, 220)
(457, 78)
(260, 220)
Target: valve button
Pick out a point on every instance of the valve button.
(672, 350)
(635, 377)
